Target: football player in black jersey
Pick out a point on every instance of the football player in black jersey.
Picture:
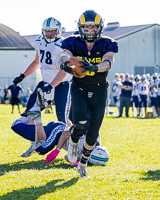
(88, 93)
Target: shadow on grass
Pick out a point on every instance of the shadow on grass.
(151, 175)
(37, 165)
(34, 193)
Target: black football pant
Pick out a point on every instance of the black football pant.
(89, 107)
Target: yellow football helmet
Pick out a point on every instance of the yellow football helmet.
(90, 18)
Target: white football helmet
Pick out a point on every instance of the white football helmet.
(131, 76)
(49, 25)
(143, 77)
(137, 77)
(148, 77)
(99, 156)
(155, 75)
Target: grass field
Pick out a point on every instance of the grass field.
(132, 172)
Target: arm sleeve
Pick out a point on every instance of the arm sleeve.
(112, 46)
(67, 44)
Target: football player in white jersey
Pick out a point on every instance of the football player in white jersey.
(135, 92)
(48, 51)
(116, 90)
(143, 94)
(153, 95)
(157, 86)
(148, 78)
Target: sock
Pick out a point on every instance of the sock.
(85, 153)
(137, 111)
(38, 121)
(83, 160)
(154, 111)
(74, 139)
(38, 143)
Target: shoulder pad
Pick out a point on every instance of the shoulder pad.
(39, 37)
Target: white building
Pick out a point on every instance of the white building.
(15, 56)
(139, 51)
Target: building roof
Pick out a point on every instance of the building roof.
(31, 38)
(9, 39)
(119, 32)
(111, 31)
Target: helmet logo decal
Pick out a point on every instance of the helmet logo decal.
(48, 22)
(82, 19)
(97, 19)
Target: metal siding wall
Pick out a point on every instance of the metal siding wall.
(14, 62)
(138, 49)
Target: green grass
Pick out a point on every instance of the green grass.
(132, 172)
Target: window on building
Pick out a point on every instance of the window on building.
(145, 70)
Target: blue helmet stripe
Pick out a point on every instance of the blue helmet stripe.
(97, 158)
(48, 22)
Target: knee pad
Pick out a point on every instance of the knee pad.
(78, 130)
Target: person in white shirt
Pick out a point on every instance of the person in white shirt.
(156, 88)
(48, 52)
(148, 77)
(153, 95)
(135, 93)
(143, 94)
(122, 76)
(116, 90)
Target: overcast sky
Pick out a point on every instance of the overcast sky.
(27, 16)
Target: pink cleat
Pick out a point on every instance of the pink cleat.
(75, 164)
(52, 155)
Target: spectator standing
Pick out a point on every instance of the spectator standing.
(125, 97)
(122, 77)
(153, 95)
(6, 99)
(135, 93)
(143, 94)
(116, 90)
(28, 93)
(15, 92)
(26, 97)
(108, 100)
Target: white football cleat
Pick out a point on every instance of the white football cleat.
(72, 151)
(41, 101)
(38, 143)
(32, 114)
(82, 170)
(29, 151)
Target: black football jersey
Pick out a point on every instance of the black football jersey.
(78, 48)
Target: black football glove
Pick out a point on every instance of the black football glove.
(88, 66)
(18, 79)
(46, 89)
(66, 68)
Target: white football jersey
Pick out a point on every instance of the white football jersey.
(143, 88)
(116, 91)
(135, 88)
(152, 92)
(48, 55)
(157, 82)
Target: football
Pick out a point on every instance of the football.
(75, 64)
(99, 156)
